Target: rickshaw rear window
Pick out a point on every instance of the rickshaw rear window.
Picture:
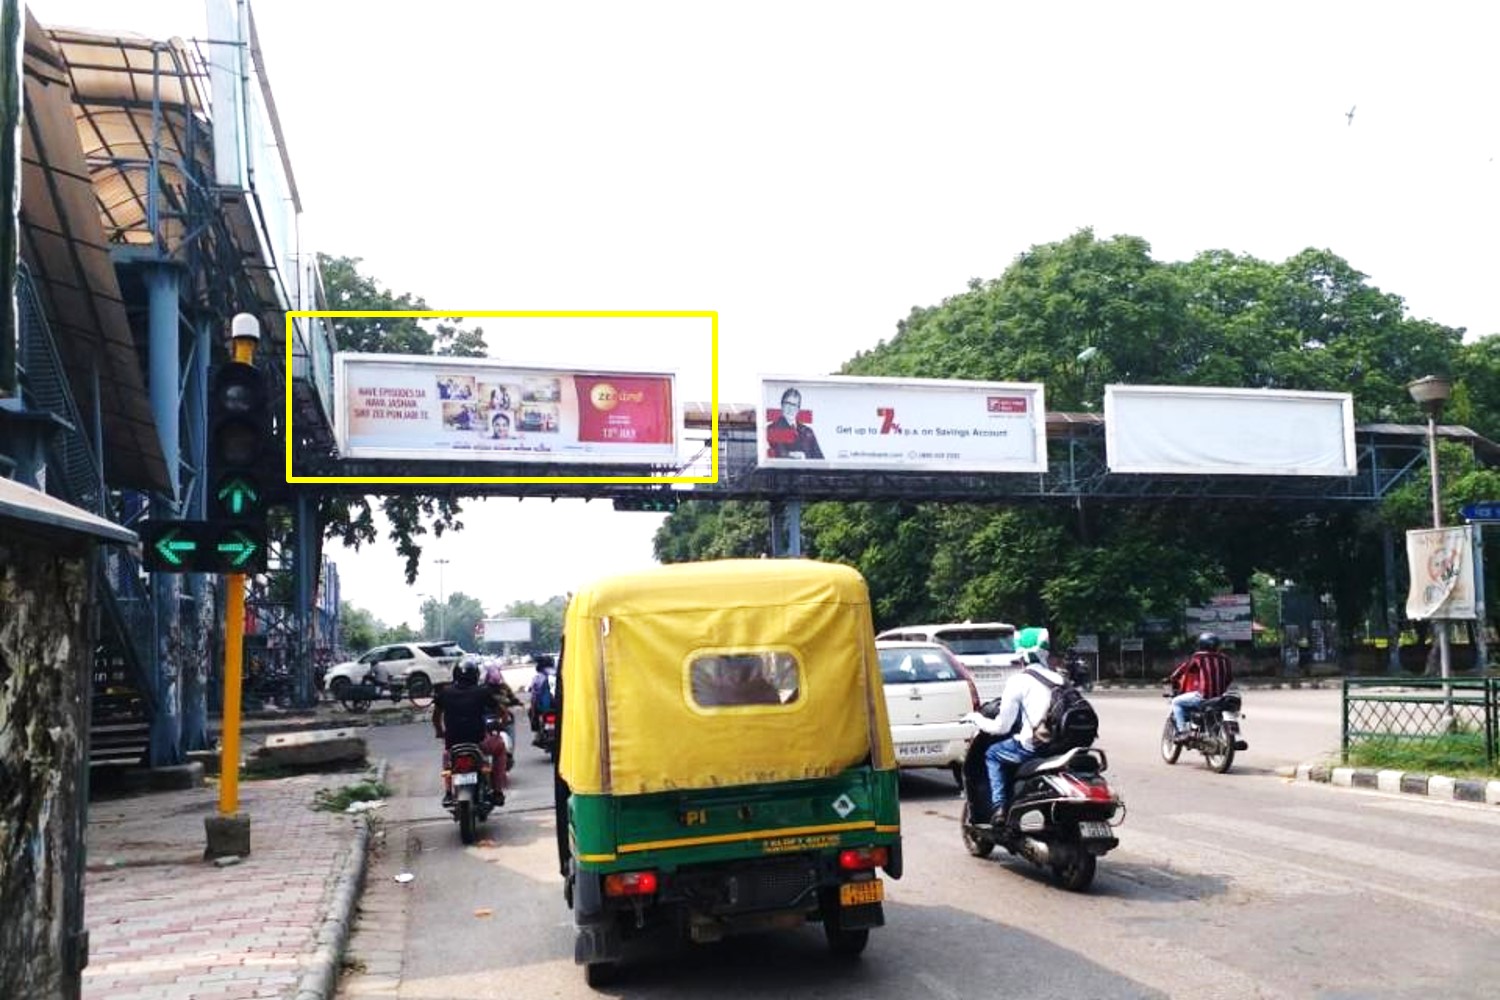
(721, 680)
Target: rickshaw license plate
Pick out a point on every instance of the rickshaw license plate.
(860, 893)
(1095, 831)
(466, 779)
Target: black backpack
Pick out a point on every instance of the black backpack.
(1070, 722)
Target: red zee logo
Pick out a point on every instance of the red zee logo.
(1006, 404)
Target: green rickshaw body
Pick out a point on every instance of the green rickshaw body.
(726, 754)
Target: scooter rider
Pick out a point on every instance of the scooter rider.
(458, 717)
(1023, 703)
(1204, 675)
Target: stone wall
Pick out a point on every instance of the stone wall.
(44, 668)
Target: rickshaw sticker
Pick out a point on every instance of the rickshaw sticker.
(844, 805)
(783, 845)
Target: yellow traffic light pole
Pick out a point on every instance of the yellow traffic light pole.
(246, 331)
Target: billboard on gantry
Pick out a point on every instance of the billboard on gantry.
(481, 409)
(941, 425)
(1214, 431)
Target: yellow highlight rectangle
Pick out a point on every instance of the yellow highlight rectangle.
(712, 316)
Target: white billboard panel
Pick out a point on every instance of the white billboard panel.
(837, 422)
(482, 409)
(506, 629)
(1214, 431)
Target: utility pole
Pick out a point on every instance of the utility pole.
(442, 601)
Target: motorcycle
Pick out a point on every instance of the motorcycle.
(1062, 813)
(545, 736)
(503, 724)
(469, 792)
(1213, 730)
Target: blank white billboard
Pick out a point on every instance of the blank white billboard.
(507, 629)
(1213, 431)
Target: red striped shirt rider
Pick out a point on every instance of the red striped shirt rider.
(1206, 674)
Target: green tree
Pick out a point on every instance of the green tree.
(410, 517)
(546, 622)
(1082, 313)
(360, 628)
(455, 620)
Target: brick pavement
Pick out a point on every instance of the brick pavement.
(166, 925)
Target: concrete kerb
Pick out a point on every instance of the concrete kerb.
(1247, 683)
(321, 978)
(1433, 786)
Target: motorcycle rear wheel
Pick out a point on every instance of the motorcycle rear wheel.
(1170, 748)
(1078, 874)
(846, 944)
(976, 844)
(1221, 758)
(466, 822)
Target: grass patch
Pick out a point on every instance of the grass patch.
(1459, 755)
(337, 800)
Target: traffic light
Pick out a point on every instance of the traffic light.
(661, 501)
(239, 422)
(203, 547)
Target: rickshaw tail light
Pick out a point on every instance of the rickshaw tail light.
(630, 884)
(862, 858)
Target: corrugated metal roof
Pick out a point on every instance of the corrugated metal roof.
(64, 245)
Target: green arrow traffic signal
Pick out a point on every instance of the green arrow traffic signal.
(241, 548)
(174, 550)
(237, 496)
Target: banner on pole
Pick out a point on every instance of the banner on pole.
(1441, 562)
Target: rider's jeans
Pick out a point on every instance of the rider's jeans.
(1180, 705)
(1001, 760)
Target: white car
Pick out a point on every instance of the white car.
(986, 649)
(927, 693)
(403, 661)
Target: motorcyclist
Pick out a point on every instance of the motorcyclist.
(543, 688)
(1023, 704)
(494, 680)
(458, 715)
(1204, 675)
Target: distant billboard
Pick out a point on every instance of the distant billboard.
(480, 409)
(833, 422)
(1226, 615)
(505, 630)
(1213, 431)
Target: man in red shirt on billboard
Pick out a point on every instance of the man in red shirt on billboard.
(1204, 675)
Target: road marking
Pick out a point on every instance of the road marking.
(1403, 831)
(936, 987)
(1409, 863)
(1472, 813)
(1184, 864)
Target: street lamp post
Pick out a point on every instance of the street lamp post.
(442, 602)
(1431, 393)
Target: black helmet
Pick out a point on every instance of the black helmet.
(545, 661)
(1208, 641)
(466, 674)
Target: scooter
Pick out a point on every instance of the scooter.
(1062, 813)
(1213, 730)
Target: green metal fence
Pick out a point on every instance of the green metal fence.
(1426, 710)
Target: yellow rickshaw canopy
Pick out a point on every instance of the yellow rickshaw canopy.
(637, 650)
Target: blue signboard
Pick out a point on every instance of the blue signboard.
(1488, 510)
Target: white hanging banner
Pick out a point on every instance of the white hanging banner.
(1441, 562)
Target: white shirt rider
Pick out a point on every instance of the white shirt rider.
(1025, 697)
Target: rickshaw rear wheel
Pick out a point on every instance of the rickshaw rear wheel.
(846, 944)
(598, 974)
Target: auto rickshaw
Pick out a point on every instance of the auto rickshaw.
(726, 759)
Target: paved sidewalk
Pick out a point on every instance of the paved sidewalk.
(166, 925)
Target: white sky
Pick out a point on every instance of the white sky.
(812, 171)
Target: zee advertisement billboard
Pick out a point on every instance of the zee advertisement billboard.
(934, 425)
(477, 409)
